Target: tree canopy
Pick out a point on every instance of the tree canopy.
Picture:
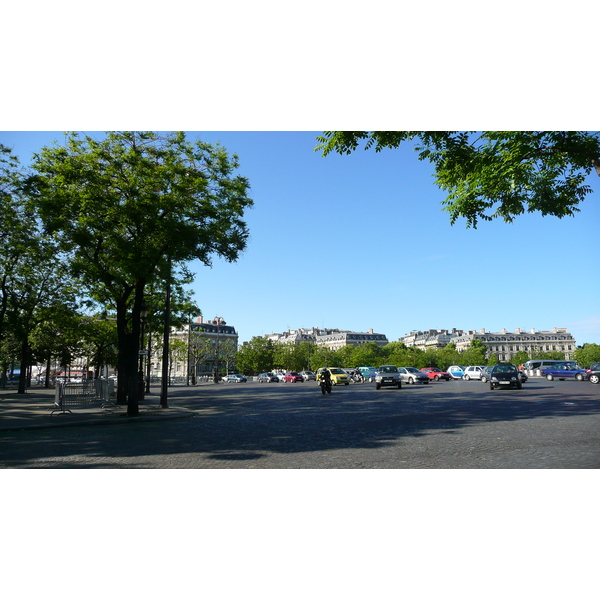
(131, 207)
(493, 174)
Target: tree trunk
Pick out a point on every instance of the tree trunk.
(24, 364)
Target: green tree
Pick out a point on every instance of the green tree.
(201, 349)
(17, 231)
(520, 357)
(256, 356)
(39, 283)
(131, 205)
(475, 354)
(494, 174)
(366, 355)
(449, 355)
(322, 356)
(492, 360)
(587, 354)
(228, 355)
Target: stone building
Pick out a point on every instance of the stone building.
(206, 345)
(331, 338)
(503, 344)
(338, 339)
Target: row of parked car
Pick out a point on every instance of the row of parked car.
(393, 375)
(556, 371)
(289, 377)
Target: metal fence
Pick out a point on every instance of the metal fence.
(95, 392)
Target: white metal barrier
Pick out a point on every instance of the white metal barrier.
(95, 392)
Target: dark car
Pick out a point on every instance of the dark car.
(563, 372)
(505, 375)
(593, 373)
(485, 374)
(436, 374)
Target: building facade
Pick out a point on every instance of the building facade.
(338, 339)
(198, 349)
(333, 339)
(503, 344)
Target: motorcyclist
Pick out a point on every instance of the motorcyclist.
(325, 381)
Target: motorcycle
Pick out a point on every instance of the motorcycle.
(325, 385)
(357, 378)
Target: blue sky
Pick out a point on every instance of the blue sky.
(361, 241)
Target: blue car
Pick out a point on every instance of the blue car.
(563, 372)
(456, 371)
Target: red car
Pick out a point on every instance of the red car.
(292, 377)
(436, 374)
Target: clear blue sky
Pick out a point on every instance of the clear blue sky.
(361, 241)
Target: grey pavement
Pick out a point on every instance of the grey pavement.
(36, 410)
(444, 425)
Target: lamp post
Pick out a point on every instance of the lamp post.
(142, 351)
(164, 384)
(218, 321)
(189, 348)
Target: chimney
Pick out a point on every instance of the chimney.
(200, 320)
(533, 330)
(371, 330)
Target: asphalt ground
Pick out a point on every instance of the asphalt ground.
(446, 489)
(443, 425)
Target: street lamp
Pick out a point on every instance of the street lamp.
(218, 321)
(142, 352)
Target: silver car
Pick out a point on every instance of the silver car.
(267, 378)
(412, 375)
(473, 372)
(308, 375)
(387, 375)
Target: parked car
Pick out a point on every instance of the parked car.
(563, 372)
(292, 377)
(388, 375)
(412, 375)
(473, 372)
(338, 376)
(435, 373)
(308, 375)
(593, 373)
(456, 371)
(485, 374)
(267, 378)
(505, 375)
(280, 377)
(235, 378)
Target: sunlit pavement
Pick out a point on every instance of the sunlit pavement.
(444, 425)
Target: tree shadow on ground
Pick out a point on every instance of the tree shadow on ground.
(243, 424)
